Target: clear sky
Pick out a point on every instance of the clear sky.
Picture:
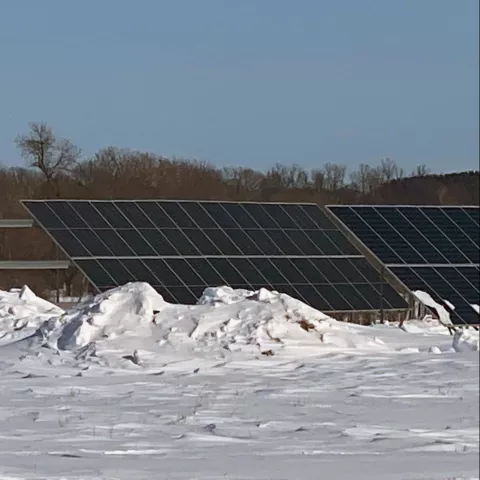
(247, 82)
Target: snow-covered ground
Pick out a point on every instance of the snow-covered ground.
(243, 385)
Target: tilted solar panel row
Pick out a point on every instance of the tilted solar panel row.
(434, 249)
(181, 247)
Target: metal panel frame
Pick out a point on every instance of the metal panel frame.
(35, 264)
(16, 223)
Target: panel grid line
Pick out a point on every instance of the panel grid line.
(427, 222)
(106, 220)
(401, 236)
(473, 240)
(449, 223)
(421, 235)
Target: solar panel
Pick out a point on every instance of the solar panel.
(429, 248)
(182, 247)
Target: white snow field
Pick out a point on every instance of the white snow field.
(242, 386)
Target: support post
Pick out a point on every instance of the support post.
(382, 280)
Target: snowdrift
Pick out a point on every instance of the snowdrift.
(127, 310)
(233, 320)
(466, 340)
(134, 324)
(21, 312)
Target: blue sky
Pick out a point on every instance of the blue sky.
(247, 82)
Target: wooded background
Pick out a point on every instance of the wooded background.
(55, 168)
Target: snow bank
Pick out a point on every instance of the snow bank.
(270, 321)
(123, 310)
(21, 311)
(428, 325)
(135, 316)
(22, 302)
(466, 340)
(135, 322)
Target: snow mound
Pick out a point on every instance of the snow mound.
(268, 321)
(22, 302)
(466, 340)
(123, 310)
(21, 311)
(135, 317)
(222, 295)
(134, 324)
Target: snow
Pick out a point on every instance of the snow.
(243, 385)
(442, 312)
(427, 325)
(466, 340)
(21, 312)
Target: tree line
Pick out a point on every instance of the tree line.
(55, 168)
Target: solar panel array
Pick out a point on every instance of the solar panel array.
(433, 249)
(181, 247)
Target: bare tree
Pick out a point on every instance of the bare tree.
(360, 177)
(328, 177)
(318, 179)
(52, 156)
(243, 179)
(421, 171)
(390, 170)
(334, 176)
(283, 176)
(367, 179)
